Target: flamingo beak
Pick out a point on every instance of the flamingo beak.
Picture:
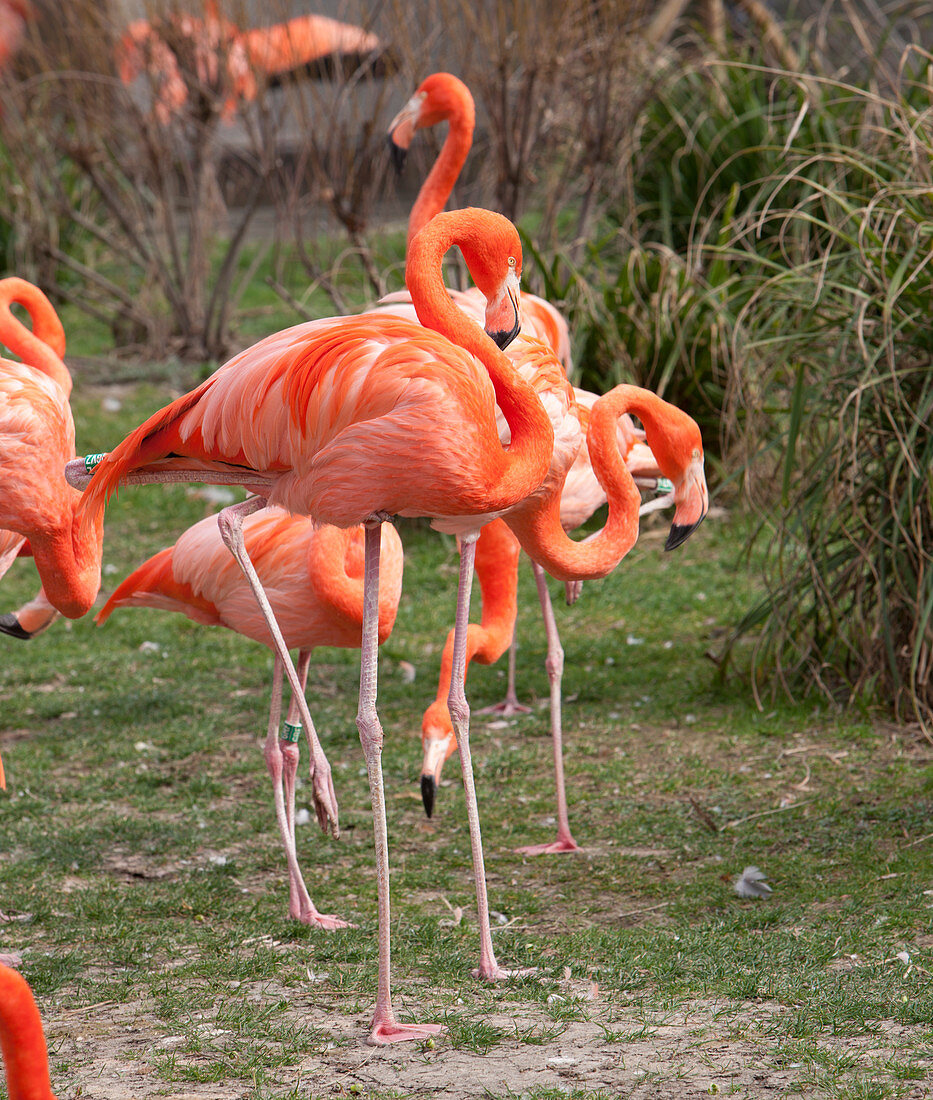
(436, 751)
(503, 312)
(9, 625)
(402, 130)
(691, 499)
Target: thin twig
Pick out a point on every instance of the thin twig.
(766, 813)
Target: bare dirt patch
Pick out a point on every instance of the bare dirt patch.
(697, 1049)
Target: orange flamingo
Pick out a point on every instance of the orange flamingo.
(22, 1042)
(582, 494)
(350, 420)
(34, 450)
(36, 440)
(313, 576)
(213, 54)
(443, 97)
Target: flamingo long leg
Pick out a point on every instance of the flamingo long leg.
(385, 1028)
(460, 718)
(230, 521)
(555, 671)
(510, 704)
(282, 762)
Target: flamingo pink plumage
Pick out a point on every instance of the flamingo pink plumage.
(36, 441)
(14, 14)
(443, 97)
(25, 1057)
(352, 419)
(582, 494)
(227, 61)
(42, 348)
(313, 576)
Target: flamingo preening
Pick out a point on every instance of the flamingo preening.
(25, 1057)
(212, 54)
(354, 419)
(313, 576)
(497, 557)
(41, 348)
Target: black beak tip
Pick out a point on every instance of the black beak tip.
(503, 338)
(679, 533)
(399, 156)
(428, 793)
(9, 624)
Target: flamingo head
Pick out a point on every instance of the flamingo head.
(678, 448)
(438, 744)
(440, 97)
(493, 253)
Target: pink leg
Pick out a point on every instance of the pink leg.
(230, 521)
(282, 761)
(460, 717)
(510, 704)
(555, 671)
(385, 1028)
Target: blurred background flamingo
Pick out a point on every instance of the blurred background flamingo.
(182, 53)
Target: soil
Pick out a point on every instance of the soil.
(698, 1049)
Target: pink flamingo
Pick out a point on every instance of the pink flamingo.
(22, 1042)
(313, 576)
(223, 59)
(443, 97)
(42, 348)
(36, 440)
(350, 420)
(582, 494)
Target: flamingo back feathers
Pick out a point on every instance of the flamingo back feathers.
(340, 418)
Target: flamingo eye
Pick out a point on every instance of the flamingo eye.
(511, 261)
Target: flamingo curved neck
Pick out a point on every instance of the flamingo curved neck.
(520, 470)
(341, 589)
(437, 187)
(68, 562)
(44, 346)
(537, 523)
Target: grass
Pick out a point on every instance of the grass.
(138, 845)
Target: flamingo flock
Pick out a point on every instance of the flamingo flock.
(452, 406)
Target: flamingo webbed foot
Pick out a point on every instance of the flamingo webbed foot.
(505, 709)
(497, 973)
(324, 795)
(388, 1031)
(562, 844)
(327, 922)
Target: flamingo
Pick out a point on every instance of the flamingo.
(313, 576)
(42, 348)
(219, 55)
(22, 1042)
(582, 494)
(36, 503)
(443, 97)
(353, 419)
